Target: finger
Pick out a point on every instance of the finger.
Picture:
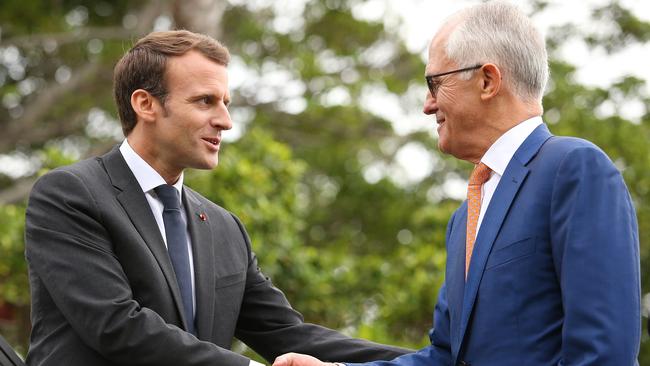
(283, 360)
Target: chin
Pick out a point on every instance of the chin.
(442, 146)
(207, 164)
(211, 165)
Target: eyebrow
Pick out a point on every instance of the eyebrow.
(211, 96)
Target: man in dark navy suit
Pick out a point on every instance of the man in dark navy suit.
(128, 266)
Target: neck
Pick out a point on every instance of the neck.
(498, 119)
(150, 153)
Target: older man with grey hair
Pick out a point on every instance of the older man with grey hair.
(543, 257)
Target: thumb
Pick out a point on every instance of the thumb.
(283, 360)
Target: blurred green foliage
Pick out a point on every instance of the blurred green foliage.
(354, 251)
(13, 269)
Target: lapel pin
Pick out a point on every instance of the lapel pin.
(203, 216)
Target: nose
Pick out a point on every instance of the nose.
(221, 119)
(430, 104)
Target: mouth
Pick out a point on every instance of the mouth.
(441, 122)
(213, 141)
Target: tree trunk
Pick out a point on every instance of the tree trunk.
(201, 16)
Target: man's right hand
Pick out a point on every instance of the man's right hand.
(298, 359)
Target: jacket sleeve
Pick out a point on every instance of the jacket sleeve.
(595, 247)
(71, 257)
(270, 326)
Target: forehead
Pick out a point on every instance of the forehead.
(194, 70)
(437, 59)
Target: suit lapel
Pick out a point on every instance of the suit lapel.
(509, 185)
(137, 208)
(204, 271)
(496, 212)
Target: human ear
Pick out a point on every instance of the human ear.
(490, 81)
(143, 103)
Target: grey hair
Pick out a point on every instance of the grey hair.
(498, 32)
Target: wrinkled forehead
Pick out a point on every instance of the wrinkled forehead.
(438, 58)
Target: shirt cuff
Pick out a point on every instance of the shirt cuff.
(255, 363)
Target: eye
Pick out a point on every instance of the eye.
(206, 99)
(435, 84)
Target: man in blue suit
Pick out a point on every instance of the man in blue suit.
(543, 258)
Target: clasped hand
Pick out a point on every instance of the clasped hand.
(298, 359)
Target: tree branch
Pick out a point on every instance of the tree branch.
(27, 125)
(146, 18)
(21, 188)
(21, 130)
(17, 192)
(63, 38)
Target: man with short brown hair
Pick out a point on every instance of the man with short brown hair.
(130, 267)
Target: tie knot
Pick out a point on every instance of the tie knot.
(480, 174)
(169, 196)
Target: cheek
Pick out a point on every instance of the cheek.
(445, 93)
(189, 125)
(446, 98)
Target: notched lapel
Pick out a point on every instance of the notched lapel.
(137, 208)
(200, 227)
(496, 212)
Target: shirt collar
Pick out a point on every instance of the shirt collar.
(147, 177)
(503, 149)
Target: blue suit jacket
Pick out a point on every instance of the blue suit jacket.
(554, 277)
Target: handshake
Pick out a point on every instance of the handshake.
(298, 359)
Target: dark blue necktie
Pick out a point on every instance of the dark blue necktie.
(176, 233)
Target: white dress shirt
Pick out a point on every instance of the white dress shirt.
(148, 179)
(498, 157)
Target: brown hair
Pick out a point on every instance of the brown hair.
(144, 65)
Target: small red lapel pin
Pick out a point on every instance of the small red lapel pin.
(203, 216)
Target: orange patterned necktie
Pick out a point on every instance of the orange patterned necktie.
(480, 175)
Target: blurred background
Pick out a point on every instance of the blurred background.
(331, 165)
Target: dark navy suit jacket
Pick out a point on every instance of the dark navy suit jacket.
(554, 277)
(104, 291)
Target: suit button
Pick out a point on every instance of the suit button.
(463, 363)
